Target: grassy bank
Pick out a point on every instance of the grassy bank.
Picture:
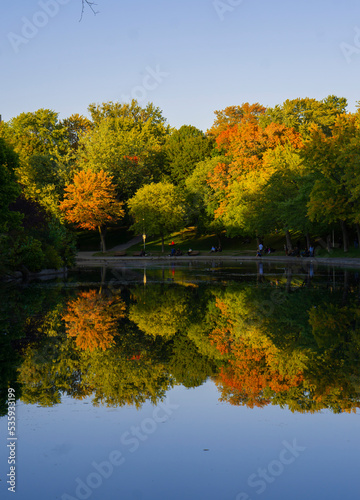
(189, 239)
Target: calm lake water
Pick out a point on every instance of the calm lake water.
(182, 382)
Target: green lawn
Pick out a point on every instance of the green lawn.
(338, 253)
(189, 239)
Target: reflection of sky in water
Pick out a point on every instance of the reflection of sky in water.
(193, 448)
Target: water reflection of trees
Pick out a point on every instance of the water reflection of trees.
(92, 320)
(281, 357)
(268, 343)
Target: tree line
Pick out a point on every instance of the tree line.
(292, 168)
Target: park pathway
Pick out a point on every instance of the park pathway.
(125, 246)
(118, 248)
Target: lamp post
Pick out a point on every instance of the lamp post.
(144, 234)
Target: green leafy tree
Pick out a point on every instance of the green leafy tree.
(203, 200)
(46, 158)
(157, 209)
(335, 197)
(184, 148)
(282, 203)
(9, 189)
(302, 114)
(126, 141)
(75, 126)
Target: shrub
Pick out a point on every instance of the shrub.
(52, 259)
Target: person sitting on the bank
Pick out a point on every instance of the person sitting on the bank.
(178, 252)
(189, 251)
(219, 248)
(213, 249)
(305, 253)
(295, 252)
(172, 253)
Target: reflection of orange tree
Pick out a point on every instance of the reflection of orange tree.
(92, 320)
(50, 365)
(255, 367)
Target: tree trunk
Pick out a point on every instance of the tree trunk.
(288, 240)
(308, 243)
(328, 242)
(358, 234)
(162, 243)
(345, 235)
(102, 232)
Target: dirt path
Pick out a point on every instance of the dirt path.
(125, 246)
(119, 248)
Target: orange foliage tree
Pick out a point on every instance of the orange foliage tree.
(92, 320)
(245, 140)
(90, 202)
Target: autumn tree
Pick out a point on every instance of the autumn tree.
(90, 202)
(234, 115)
(238, 182)
(157, 209)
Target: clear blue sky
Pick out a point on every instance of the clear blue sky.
(205, 54)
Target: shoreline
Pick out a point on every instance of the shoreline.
(85, 259)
